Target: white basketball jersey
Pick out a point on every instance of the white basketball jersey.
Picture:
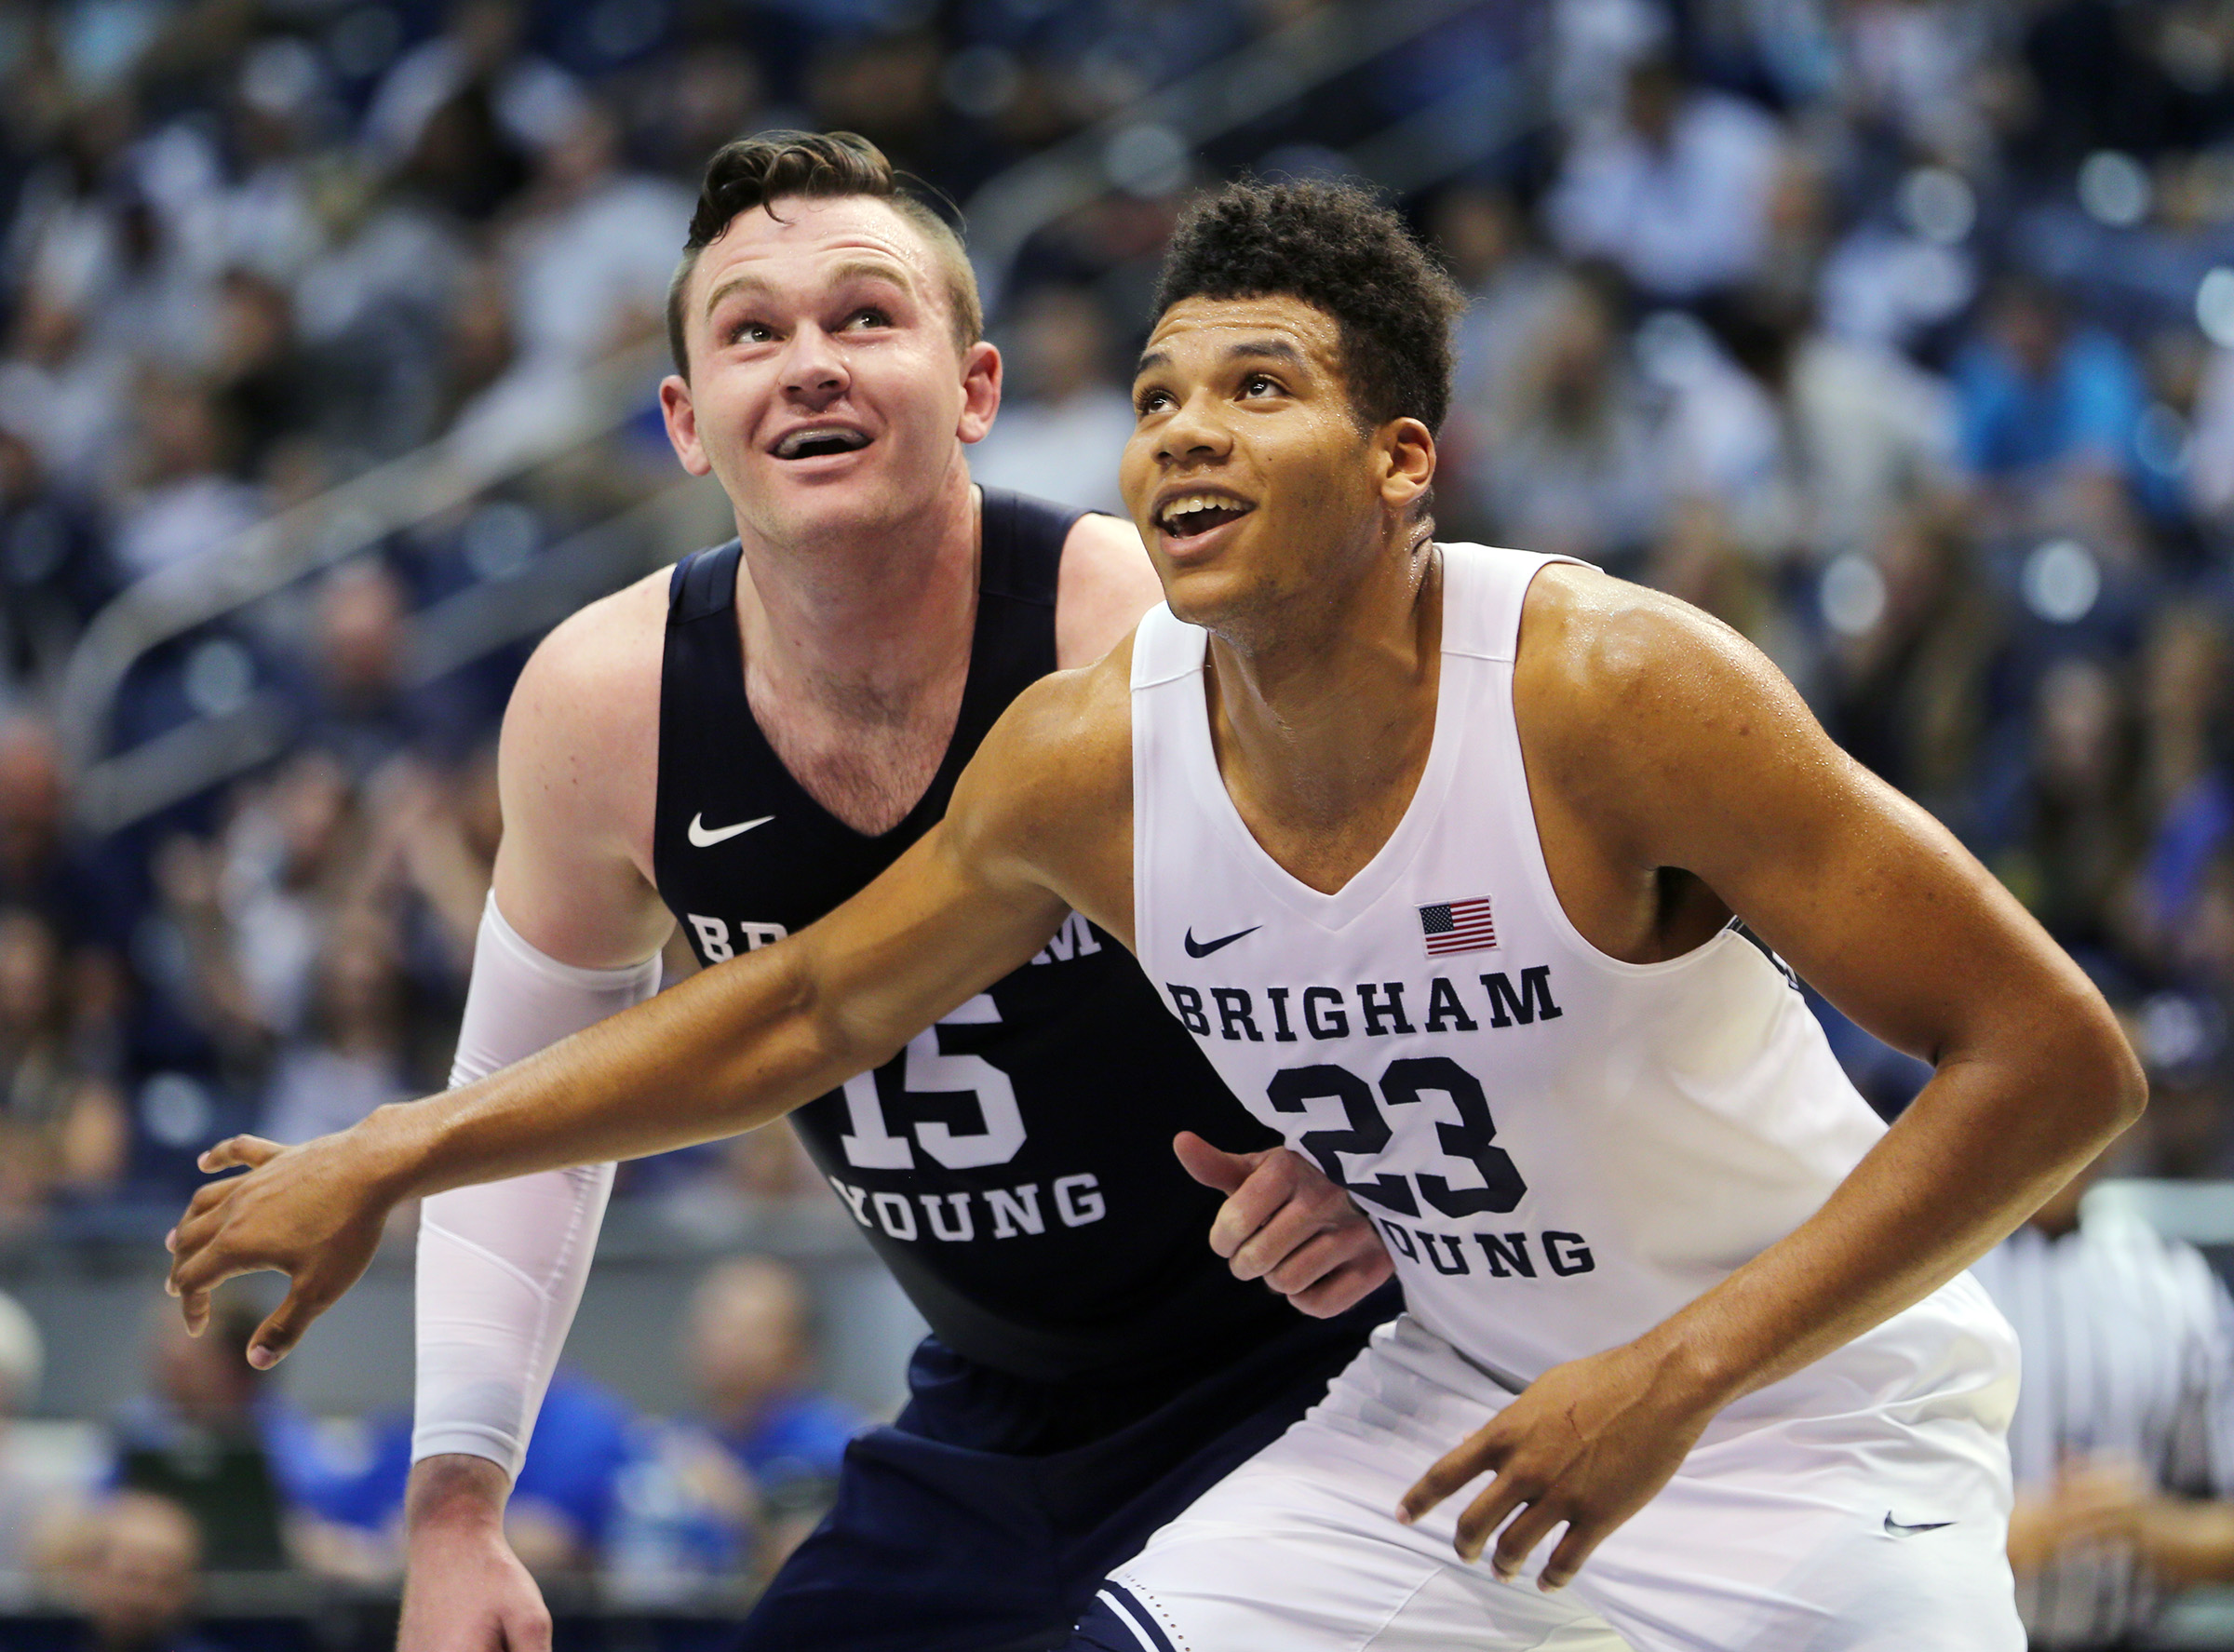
(1561, 1149)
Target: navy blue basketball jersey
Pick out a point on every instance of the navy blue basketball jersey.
(1013, 1165)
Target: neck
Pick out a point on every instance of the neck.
(863, 624)
(1327, 704)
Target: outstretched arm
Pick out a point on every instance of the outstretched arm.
(1655, 738)
(1039, 824)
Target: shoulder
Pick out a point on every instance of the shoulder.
(614, 645)
(1630, 702)
(583, 723)
(1106, 585)
(1049, 793)
(1593, 644)
(1069, 730)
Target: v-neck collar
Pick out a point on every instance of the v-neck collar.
(1397, 851)
(971, 710)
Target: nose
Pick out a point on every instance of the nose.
(814, 370)
(1194, 433)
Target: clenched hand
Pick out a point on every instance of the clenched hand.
(1284, 1223)
(313, 1212)
(1586, 1445)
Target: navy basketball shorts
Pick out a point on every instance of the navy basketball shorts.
(937, 1546)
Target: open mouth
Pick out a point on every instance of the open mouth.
(817, 441)
(1193, 515)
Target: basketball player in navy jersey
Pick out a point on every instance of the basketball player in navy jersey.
(737, 748)
(1438, 853)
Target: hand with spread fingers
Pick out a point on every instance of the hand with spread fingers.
(1285, 1222)
(313, 1212)
(1586, 1445)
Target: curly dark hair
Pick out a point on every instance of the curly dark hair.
(1337, 247)
(772, 166)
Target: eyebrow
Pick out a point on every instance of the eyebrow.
(1246, 350)
(853, 269)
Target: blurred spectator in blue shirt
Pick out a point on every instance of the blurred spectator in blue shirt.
(564, 1508)
(563, 1503)
(752, 1354)
(2037, 394)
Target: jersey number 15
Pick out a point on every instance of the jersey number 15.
(927, 1070)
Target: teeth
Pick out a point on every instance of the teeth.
(1200, 502)
(788, 447)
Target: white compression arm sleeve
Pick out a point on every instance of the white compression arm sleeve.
(502, 1264)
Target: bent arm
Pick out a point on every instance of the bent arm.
(1706, 760)
(1655, 738)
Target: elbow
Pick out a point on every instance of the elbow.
(2112, 1076)
(2131, 1085)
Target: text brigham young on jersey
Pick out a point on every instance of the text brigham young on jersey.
(1291, 1014)
(1323, 1013)
(973, 1213)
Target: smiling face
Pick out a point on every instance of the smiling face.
(1248, 474)
(826, 390)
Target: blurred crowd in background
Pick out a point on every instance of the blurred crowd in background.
(1898, 333)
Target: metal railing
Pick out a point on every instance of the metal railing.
(1489, 108)
(264, 558)
(1214, 102)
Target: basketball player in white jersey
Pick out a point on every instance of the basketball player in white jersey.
(1437, 851)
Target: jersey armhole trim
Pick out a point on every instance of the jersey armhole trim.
(1535, 865)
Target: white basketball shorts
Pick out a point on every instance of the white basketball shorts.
(1880, 1531)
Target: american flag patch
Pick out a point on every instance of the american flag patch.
(1458, 926)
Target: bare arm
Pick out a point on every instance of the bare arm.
(501, 1267)
(577, 769)
(1039, 824)
(1875, 904)
(1656, 738)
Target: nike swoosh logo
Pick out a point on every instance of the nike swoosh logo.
(1893, 1528)
(702, 839)
(1204, 948)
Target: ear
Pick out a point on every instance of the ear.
(980, 392)
(1408, 447)
(682, 417)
